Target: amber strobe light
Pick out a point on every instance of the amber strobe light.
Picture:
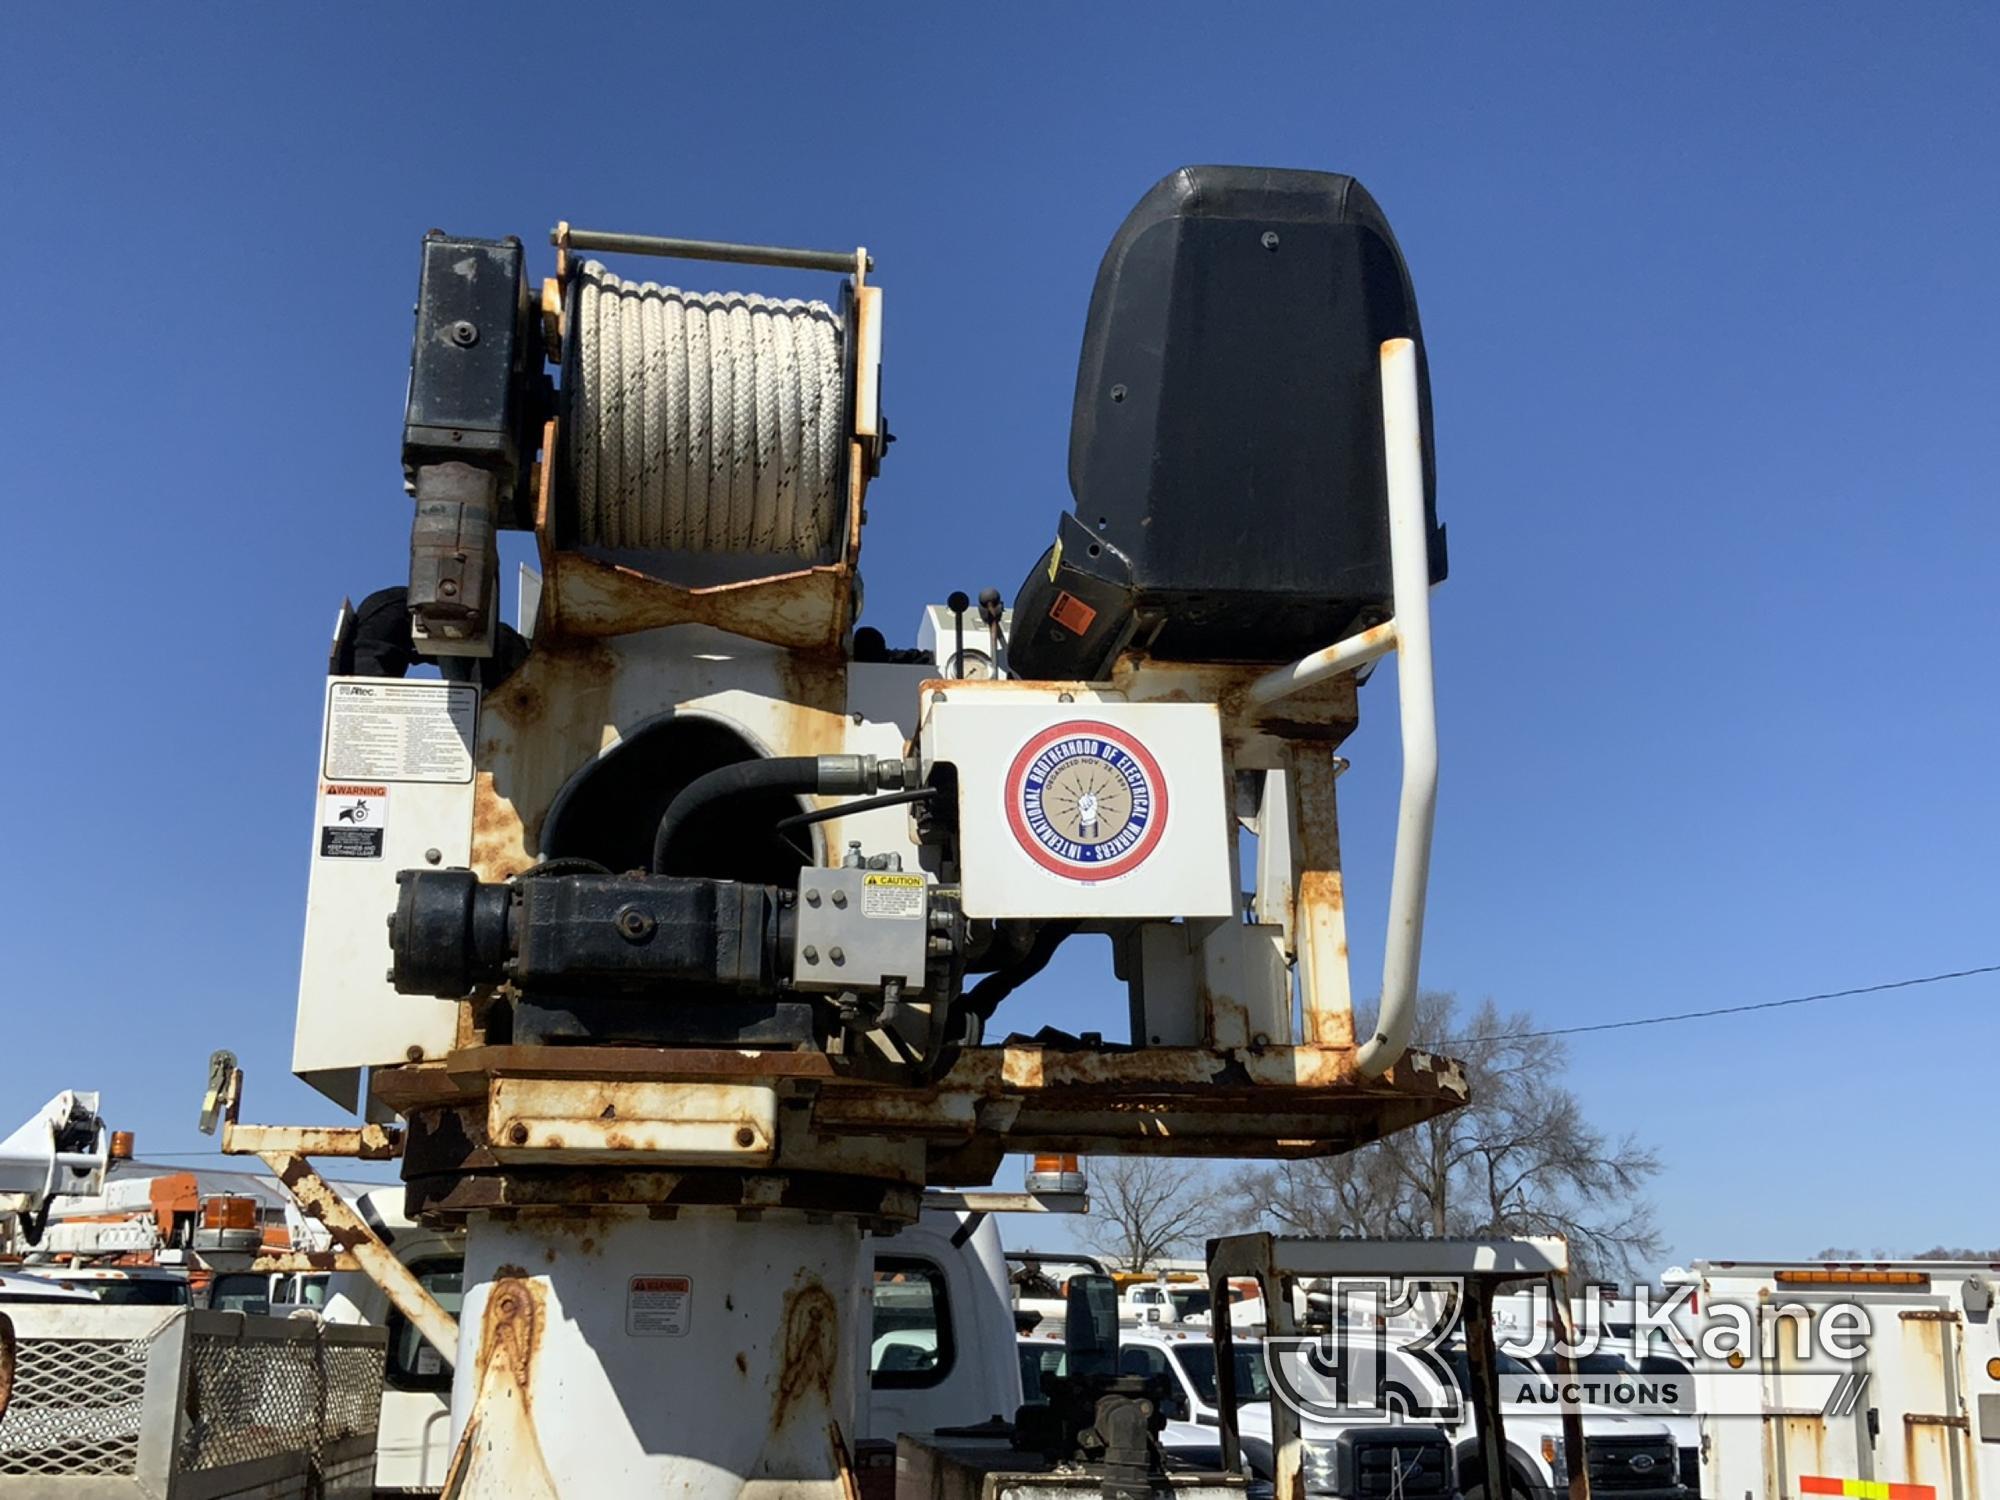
(1836, 1276)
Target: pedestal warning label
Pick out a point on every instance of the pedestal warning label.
(659, 1307)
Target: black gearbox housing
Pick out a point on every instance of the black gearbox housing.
(1226, 440)
(477, 394)
(698, 939)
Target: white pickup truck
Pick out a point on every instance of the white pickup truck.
(1631, 1458)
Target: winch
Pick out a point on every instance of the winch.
(685, 924)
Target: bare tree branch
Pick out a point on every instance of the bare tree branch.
(1145, 1207)
(1519, 1159)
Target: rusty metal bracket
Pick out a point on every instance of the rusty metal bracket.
(364, 1142)
(356, 1246)
(974, 1202)
(306, 1260)
(352, 1236)
(225, 1097)
(8, 1346)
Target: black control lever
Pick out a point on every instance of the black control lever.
(991, 610)
(958, 603)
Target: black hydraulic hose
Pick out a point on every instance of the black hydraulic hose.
(984, 997)
(860, 804)
(565, 864)
(777, 773)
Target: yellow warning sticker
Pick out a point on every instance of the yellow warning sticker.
(887, 893)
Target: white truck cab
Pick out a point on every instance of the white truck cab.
(1631, 1458)
(1360, 1460)
(413, 1441)
(942, 1352)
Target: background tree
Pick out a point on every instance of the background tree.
(1936, 1252)
(1145, 1207)
(1519, 1159)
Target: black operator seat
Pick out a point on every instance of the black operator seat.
(1226, 444)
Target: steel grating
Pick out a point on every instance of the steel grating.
(76, 1407)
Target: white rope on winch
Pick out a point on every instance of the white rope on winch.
(705, 421)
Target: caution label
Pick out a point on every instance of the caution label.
(885, 894)
(658, 1307)
(353, 821)
(1072, 613)
(385, 730)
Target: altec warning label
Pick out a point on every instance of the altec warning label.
(380, 729)
(353, 821)
(658, 1307)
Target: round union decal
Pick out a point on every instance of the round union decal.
(1086, 800)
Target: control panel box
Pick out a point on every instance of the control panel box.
(394, 793)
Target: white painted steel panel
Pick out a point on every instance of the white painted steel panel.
(1033, 771)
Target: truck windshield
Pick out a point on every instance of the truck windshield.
(1504, 1365)
(242, 1292)
(141, 1293)
(1189, 1303)
(1197, 1362)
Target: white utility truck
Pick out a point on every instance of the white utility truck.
(1875, 1380)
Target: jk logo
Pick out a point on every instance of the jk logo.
(1382, 1358)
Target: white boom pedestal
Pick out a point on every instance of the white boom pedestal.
(621, 1356)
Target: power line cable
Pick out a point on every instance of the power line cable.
(1732, 1010)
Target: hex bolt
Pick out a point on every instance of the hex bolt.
(413, 1054)
(634, 925)
(809, 953)
(812, 898)
(448, 587)
(464, 334)
(746, 1137)
(518, 1135)
(837, 955)
(433, 856)
(840, 898)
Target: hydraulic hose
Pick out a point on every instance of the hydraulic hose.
(829, 775)
(984, 997)
(777, 773)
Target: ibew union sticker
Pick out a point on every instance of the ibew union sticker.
(1086, 800)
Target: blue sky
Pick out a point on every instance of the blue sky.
(1712, 323)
